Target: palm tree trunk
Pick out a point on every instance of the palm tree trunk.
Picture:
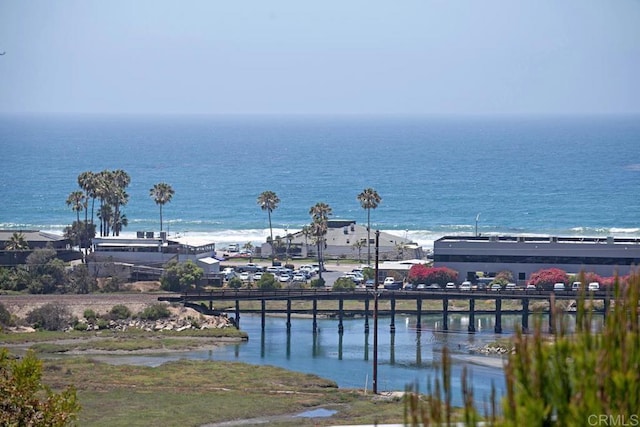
(369, 236)
(160, 217)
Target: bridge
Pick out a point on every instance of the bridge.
(366, 297)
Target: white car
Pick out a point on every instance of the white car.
(245, 276)
(594, 286)
(465, 286)
(284, 278)
(389, 281)
(299, 277)
(450, 285)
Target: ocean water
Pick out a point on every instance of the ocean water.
(436, 175)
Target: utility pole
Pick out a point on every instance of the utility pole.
(375, 318)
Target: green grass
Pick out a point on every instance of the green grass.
(192, 393)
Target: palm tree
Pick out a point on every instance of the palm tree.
(358, 245)
(369, 199)
(88, 182)
(268, 201)
(320, 216)
(17, 242)
(77, 201)
(161, 193)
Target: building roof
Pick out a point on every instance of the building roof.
(31, 236)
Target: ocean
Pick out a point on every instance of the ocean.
(437, 176)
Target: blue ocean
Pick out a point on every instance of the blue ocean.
(436, 175)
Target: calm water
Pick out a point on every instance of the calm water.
(406, 358)
(536, 175)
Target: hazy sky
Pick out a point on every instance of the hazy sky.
(334, 57)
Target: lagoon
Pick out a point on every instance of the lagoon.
(406, 358)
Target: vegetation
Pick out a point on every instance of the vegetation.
(569, 380)
(268, 281)
(545, 279)
(17, 242)
(179, 277)
(420, 273)
(320, 213)
(268, 201)
(26, 401)
(369, 199)
(155, 311)
(50, 317)
(161, 193)
(344, 284)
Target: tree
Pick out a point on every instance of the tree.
(17, 242)
(358, 245)
(77, 202)
(267, 282)
(47, 272)
(320, 213)
(545, 279)
(50, 317)
(369, 199)
(344, 284)
(268, 201)
(420, 273)
(180, 277)
(87, 181)
(161, 193)
(26, 401)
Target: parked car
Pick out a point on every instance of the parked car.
(389, 280)
(558, 287)
(409, 286)
(434, 286)
(594, 286)
(245, 276)
(496, 287)
(421, 286)
(465, 286)
(450, 285)
(511, 287)
(393, 286)
(284, 278)
(229, 273)
(299, 277)
(370, 283)
(576, 286)
(530, 287)
(257, 275)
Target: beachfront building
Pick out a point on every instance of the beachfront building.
(34, 240)
(149, 249)
(523, 255)
(344, 239)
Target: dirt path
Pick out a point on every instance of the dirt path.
(21, 305)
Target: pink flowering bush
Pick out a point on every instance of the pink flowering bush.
(545, 279)
(420, 273)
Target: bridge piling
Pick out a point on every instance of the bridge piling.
(238, 314)
(498, 321)
(472, 315)
(288, 315)
(340, 316)
(315, 315)
(366, 314)
(392, 327)
(263, 319)
(445, 314)
(419, 313)
(525, 315)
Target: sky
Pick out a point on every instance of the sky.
(404, 57)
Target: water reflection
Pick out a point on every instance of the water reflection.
(406, 357)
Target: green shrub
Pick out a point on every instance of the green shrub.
(50, 317)
(344, 284)
(102, 324)
(120, 312)
(235, 283)
(155, 312)
(317, 283)
(80, 326)
(5, 316)
(90, 315)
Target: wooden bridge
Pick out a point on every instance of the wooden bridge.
(368, 296)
